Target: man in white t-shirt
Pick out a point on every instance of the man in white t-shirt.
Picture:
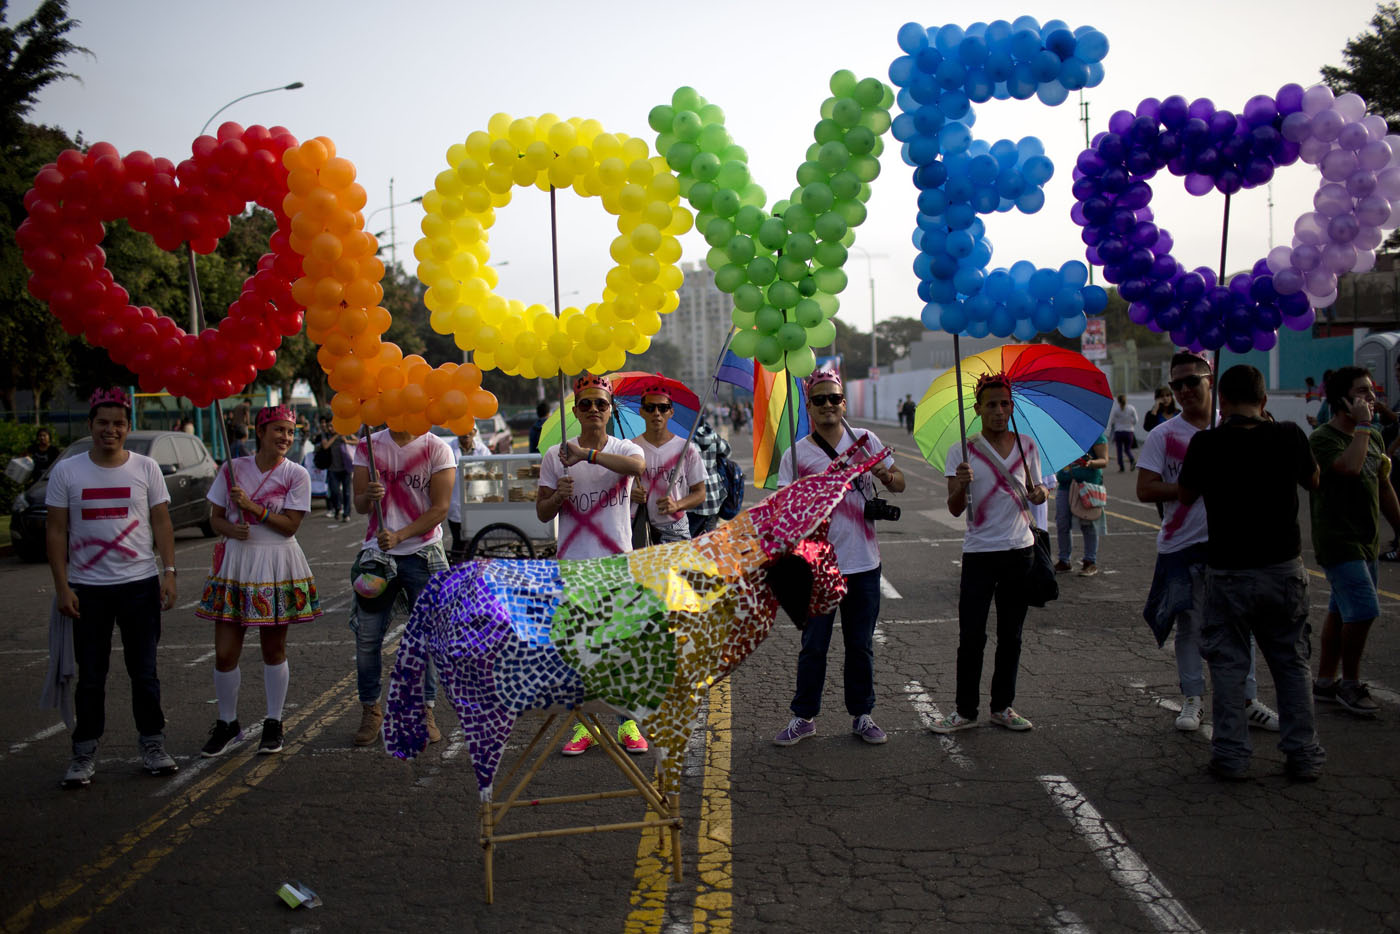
(106, 509)
(996, 486)
(852, 534)
(1177, 596)
(672, 464)
(587, 483)
(412, 488)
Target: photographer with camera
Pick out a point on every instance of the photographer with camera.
(852, 534)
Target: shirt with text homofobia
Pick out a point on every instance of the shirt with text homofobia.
(1163, 453)
(406, 472)
(851, 534)
(596, 521)
(109, 517)
(1249, 479)
(660, 462)
(286, 486)
(996, 513)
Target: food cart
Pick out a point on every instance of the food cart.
(496, 493)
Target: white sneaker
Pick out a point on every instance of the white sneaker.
(1190, 718)
(1260, 716)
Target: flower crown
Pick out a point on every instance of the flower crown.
(589, 381)
(114, 396)
(276, 413)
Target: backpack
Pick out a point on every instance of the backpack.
(732, 476)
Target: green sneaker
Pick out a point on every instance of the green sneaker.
(631, 739)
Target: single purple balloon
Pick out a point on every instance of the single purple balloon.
(1120, 122)
(1361, 183)
(1326, 125)
(1289, 99)
(1202, 108)
(1139, 313)
(1197, 184)
(1332, 199)
(1306, 257)
(1301, 322)
(1265, 339)
(1312, 150)
(1288, 281)
(1343, 228)
(1296, 127)
(1260, 110)
(1372, 211)
(1149, 107)
(1338, 258)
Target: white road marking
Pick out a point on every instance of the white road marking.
(455, 744)
(1123, 863)
(43, 734)
(189, 772)
(201, 659)
(887, 589)
(1065, 921)
(928, 712)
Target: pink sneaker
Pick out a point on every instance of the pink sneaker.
(631, 738)
(578, 744)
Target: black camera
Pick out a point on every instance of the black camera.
(878, 509)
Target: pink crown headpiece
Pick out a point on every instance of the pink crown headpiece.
(656, 387)
(823, 376)
(589, 381)
(113, 396)
(276, 413)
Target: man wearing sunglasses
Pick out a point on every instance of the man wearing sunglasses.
(1177, 596)
(586, 482)
(672, 463)
(857, 555)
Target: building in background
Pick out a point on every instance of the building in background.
(698, 326)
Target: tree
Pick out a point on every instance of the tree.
(897, 335)
(31, 58)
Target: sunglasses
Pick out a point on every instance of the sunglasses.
(1185, 382)
(590, 405)
(656, 406)
(833, 398)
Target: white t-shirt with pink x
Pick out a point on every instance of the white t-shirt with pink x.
(406, 472)
(109, 516)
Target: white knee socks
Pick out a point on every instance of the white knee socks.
(275, 680)
(226, 690)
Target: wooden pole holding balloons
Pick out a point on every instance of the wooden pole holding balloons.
(704, 401)
(957, 374)
(1215, 364)
(197, 314)
(554, 264)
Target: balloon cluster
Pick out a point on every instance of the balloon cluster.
(548, 152)
(1217, 149)
(76, 194)
(782, 268)
(945, 70)
(374, 382)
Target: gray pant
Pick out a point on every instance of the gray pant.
(1271, 604)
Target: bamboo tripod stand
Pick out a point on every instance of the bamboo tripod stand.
(664, 808)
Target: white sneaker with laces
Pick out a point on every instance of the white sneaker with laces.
(1189, 720)
(1260, 716)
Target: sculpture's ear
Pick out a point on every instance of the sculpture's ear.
(790, 579)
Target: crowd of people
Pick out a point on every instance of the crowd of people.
(1229, 578)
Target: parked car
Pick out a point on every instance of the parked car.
(494, 433)
(184, 461)
(522, 420)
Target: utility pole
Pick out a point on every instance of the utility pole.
(1084, 118)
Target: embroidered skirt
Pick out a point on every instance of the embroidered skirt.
(259, 584)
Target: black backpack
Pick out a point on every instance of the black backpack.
(733, 480)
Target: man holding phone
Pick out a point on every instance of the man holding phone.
(1346, 511)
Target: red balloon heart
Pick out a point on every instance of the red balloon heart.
(190, 203)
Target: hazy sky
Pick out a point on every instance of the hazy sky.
(394, 84)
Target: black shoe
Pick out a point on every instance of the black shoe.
(1303, 771)
(222, 737)
(1226, 773)
(271, 737)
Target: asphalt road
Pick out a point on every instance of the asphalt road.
(1101, 819)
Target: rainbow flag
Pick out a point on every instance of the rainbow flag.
(773, 434)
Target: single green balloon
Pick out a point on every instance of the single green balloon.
(791, 269)
(830, 254)
(822, 335)
(876, 121)
(768, 320)
(845, 185)
(846, 112)
(664, 142)
(725, 202)
(659, 118)
(843, 83)
(831, 226)
(807, 287)
(808, 313)
(783, 294)
(740, 249)
(716, 258)
(869, 92)
(744, 343)
(833, 157)
(830, 280)
(773, 233)
(762, 270)
(711, 114)
(705, 166)
(748, 219)
(753, 196)
(852, 212)
(800, 246)
(829, 305)
(733, 174)
(801, 363)
(714, 138)
(859, 140)
(867, 167)
(792, 336)
(817, 198)
(748, 297)
(681, 155)
(684, 183)
(686, 126)
(735, 153)
(799, 218)
(809, 172)
(827, 131)
(719, 231)
(728, 278)
(769, 352)
(743, 320)
(701, 195)
(687, 98)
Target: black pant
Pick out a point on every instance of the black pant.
(987, 575)
(338, 492)
(134, 607)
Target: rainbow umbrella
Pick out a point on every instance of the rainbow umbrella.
(1059, 398)
(627, 420)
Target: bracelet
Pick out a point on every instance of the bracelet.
(1366, 425)
(266, 512)
(170, 569)
(593, 455)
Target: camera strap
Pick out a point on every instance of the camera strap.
(830, 452)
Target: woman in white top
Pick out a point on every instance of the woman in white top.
(260, 577)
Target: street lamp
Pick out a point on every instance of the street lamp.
(295, 85)
(393, 245)
(874, 382)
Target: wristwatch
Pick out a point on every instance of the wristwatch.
(170, 569)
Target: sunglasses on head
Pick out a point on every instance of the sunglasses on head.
(831, 398)
(1185, 382)
(589, 405)
(656, 406)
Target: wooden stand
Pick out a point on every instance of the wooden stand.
(664, 809)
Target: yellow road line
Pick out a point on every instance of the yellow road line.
(75, 883)
(1119, 515)
(714, 869)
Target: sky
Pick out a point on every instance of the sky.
(394, 85)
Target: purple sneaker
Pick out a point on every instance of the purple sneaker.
(864, 727)
(797, 730)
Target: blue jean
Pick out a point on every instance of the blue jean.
(1271, 604)
(1190, 667)
(412, 577)
(989, 575)
(860, 609)
(134, 608)
(338, 492)
(1123, 444)
(1065, 521)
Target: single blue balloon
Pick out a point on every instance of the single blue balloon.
(912, 38)
(1073, 326)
